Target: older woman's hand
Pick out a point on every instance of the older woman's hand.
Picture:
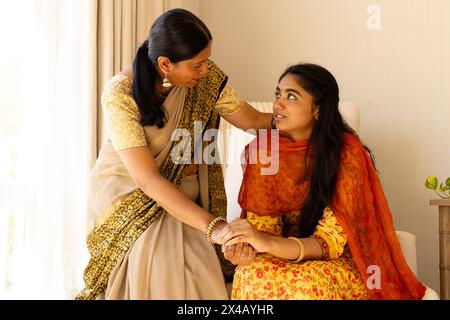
(240, 230)
(239, 254)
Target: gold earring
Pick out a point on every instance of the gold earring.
(166, 82)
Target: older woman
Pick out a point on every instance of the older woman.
(154, 212)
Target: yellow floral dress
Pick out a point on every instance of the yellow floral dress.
(336, 277)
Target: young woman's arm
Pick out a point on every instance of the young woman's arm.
(242, 231)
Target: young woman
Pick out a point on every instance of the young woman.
(321, 225)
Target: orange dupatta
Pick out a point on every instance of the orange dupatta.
(359, 205)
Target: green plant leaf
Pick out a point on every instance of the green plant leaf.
(443, 188)
(447, 182)
(431, 183)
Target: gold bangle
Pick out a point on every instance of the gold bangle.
(210, 228)
(302, 250)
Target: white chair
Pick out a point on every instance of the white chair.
(231, 144)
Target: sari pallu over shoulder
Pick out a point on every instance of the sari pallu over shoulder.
(361, 207)
(108, 242)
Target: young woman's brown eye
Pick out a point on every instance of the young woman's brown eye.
(291, 97)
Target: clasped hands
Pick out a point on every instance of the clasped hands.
(240, 241)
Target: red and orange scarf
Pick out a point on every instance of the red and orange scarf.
(359, 204)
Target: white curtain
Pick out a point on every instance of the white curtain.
(46, 206)
(56, 151)
(66, 50)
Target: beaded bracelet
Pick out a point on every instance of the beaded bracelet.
(210, 228)
(302, 250)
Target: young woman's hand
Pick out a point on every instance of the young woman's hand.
(240, 230)
(239, 254)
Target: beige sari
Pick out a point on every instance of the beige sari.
(138, 250)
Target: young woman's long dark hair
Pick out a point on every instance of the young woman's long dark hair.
(325, 141)
(177, 34)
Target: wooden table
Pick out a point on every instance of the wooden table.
(444, 246)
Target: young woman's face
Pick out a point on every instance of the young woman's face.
(187, 73)
(293, 109)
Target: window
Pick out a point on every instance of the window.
(44, 143)
(13, 107)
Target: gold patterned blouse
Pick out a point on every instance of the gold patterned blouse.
(123, 117)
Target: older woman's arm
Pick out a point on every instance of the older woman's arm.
(240, 113)
(128, 138)
(243, 231)
(250, 118)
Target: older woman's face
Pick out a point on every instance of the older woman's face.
(187, 73)
(293, 109)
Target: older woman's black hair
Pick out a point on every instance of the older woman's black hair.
(177, 34)
(325, 140)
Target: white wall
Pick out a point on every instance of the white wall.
(398, 75)
(191, 5)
